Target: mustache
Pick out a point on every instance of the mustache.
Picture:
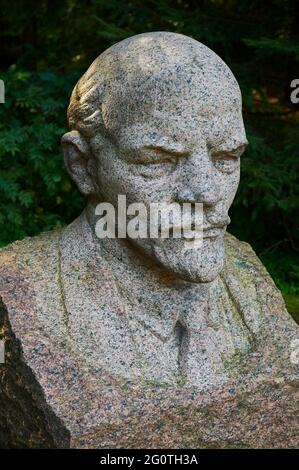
(206, 230)
(191, 225)
(219, 222)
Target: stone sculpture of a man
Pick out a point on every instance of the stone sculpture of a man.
(140, 342)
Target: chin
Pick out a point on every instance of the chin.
(201, 265)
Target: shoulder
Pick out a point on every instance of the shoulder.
(21, 254)
(27, 258)
(26, 266)
(23, 250)
(242, 257)
(251, 285)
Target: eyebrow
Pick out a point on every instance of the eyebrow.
(174, 149)
(239, 147)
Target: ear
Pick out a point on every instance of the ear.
(77, 160)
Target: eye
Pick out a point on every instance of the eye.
(155, 169)
(227, 162)
(154, 164)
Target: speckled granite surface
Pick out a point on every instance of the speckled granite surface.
(140, 342)
(55, 395)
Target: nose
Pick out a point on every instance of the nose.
(199, 182)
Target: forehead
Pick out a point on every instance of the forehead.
(182, 105)
(188, 127)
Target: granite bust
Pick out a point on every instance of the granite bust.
(107, 337)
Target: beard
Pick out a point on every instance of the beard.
(199, 264)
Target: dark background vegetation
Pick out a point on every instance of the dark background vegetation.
(47, 44)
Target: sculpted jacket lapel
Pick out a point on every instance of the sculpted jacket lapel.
(97, 320)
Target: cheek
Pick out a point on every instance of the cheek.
(231, 183)
(115, 178)
(112, 179)
(150, 190)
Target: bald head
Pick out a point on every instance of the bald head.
(146, 73)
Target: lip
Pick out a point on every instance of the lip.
(213, 232)
(216, 230)
(210, 232)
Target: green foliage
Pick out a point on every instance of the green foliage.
(274, 46)
(292, 303)
(46, 45)
(36, 193)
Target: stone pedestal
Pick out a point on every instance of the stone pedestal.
(48, 399)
